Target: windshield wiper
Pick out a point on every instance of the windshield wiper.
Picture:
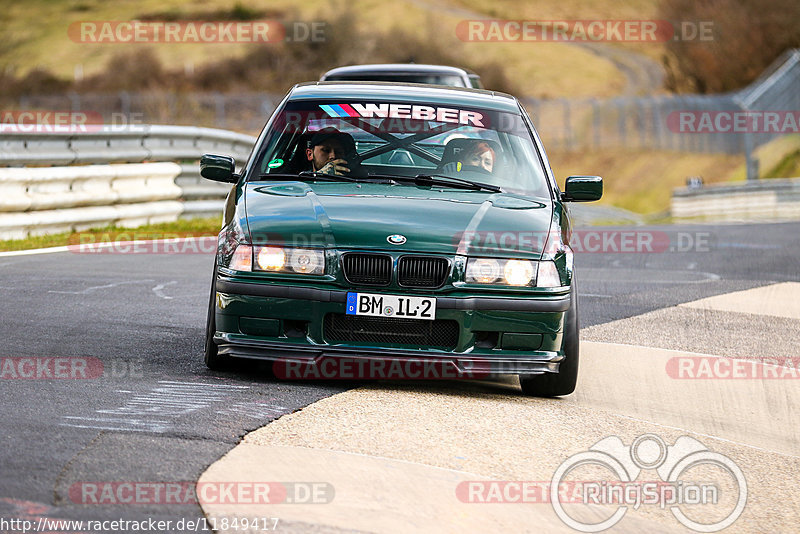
(325, 176)
(428, 180)
(442, 179)
(425, 180)
(310, 174)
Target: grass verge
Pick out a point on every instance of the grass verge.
(193, 227)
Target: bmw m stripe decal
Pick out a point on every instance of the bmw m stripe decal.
(405, 111)
(336, 110)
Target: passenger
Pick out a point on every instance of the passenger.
(479, 156)
(327, 151)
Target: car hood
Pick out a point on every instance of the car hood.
(364, 215)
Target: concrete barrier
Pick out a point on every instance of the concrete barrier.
(42, 200)
(762, 200)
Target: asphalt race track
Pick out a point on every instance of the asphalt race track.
(155, 413)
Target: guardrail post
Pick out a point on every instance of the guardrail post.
(567, 124)
(75, 101)
(621, 121)
(125, 103)
(751, 164)
(219, 109)
(595, 123)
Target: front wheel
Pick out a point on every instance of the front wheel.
(213, 359)
(563, 382)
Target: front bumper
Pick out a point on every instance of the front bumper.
(447, 365)
(553, 304)
(481, 350)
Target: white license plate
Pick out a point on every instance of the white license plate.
(391, 306)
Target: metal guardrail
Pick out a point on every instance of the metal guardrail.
(54, 181)
(763, 200)
(133, 144)
(40, 200)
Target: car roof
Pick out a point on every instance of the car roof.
(399, 68)
(405, 92)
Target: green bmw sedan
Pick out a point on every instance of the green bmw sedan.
(385, 230)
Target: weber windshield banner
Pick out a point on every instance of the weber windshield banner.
(394, 117)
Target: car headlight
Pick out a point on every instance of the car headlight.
(500, 271)
(278, 260)
(289, 260)
(483, 271)
(306, 261)
(270, 258)
(517, 273)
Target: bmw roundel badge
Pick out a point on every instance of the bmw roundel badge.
(396, 239)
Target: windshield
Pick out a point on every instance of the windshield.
(357, 139)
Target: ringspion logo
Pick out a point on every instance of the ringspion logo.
(680, 489)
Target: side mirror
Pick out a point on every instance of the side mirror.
(218, 168)
(583, 189)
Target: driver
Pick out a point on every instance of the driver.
(327, 150)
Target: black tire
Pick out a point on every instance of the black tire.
(563, 382)
(213, 360)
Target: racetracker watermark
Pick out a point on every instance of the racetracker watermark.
(592, 241)
(640, 31)
(721, 368)
(68, 367)
(684, 497)
(151, 242)
(184, 492)
(50, 368)
(197, 32)
(137, 242)
(734, 122)
(59, 121)
(572, 492)
(383, 369)
(515, 492)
